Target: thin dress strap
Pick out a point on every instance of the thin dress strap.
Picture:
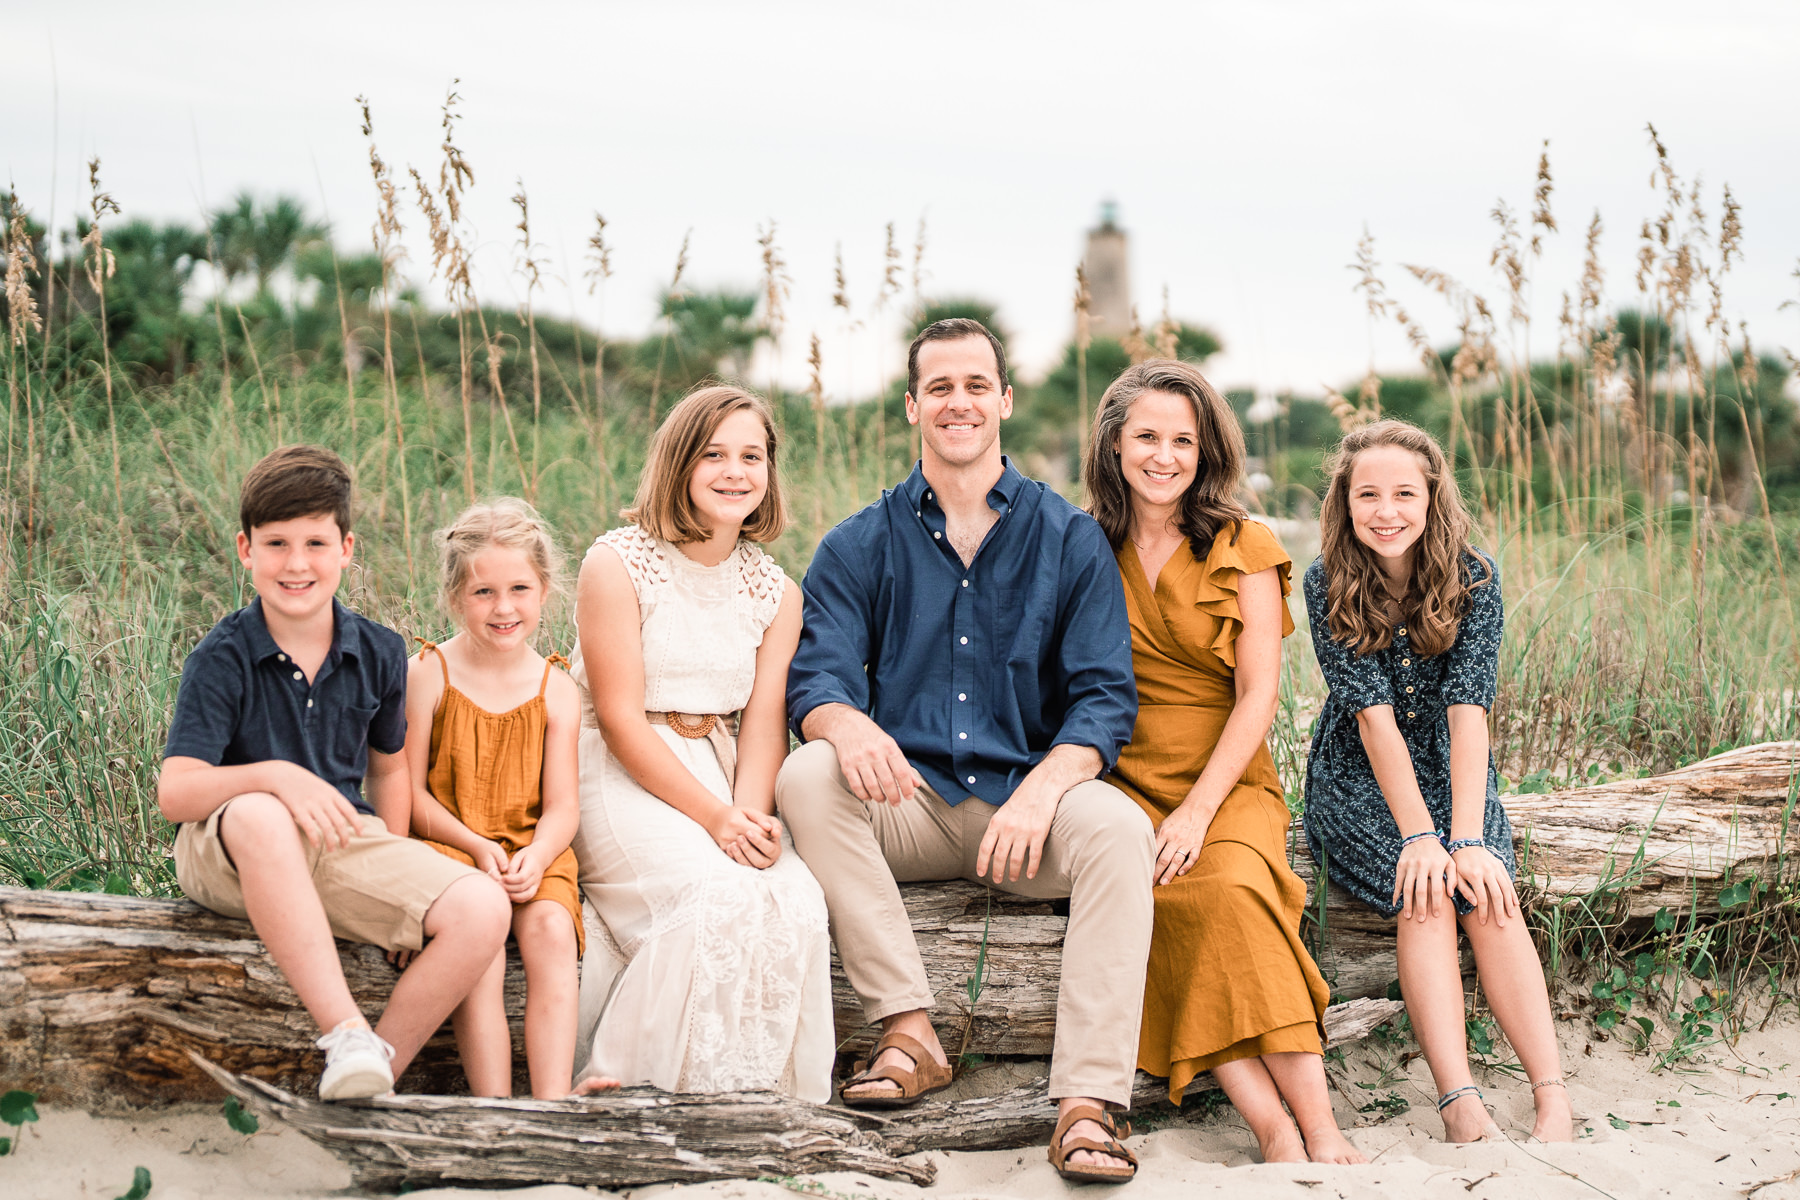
(433, 648)
(555, 660)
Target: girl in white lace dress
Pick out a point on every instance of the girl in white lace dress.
(711, 969)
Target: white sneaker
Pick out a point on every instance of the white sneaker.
(356, 1064)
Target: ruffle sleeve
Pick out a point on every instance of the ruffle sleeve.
(1256, 549)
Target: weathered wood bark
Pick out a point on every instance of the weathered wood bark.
(101, 997)
(640, 1136)
(1674, 840)
(629, 1138)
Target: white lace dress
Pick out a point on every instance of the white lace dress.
(704, 975)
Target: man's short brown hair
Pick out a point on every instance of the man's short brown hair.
(952, 329)
(663, 508)
(295, 481)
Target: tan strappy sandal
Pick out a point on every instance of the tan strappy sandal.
(1114, 1145)
(925, 1077)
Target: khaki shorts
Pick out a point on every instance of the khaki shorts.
(376, 890)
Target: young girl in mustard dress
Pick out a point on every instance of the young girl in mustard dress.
(1231, 988)
(490, 740)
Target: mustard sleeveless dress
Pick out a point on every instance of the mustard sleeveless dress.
(487, 769)
(1229, 976)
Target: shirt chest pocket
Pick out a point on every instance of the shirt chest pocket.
(342, 735)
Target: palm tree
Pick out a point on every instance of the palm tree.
(259, 239)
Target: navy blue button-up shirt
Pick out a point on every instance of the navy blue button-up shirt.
(242, 700)
(975, 671)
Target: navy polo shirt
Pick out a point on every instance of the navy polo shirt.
(242, 700)
(978, 670)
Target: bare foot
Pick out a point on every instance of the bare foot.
(1283, 1144)
(1555, 1118)
(593, 1085)
(1329, 1145)
(1466, 1119)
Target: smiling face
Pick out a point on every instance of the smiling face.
(1159, 449)
(732, 476)
(1389, 500)
(500, 601)
(960, 403)
(295, 565)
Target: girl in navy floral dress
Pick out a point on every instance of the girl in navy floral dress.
(1402, 807)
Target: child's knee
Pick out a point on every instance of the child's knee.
(257, 822)
(475, 908)
(545, 923)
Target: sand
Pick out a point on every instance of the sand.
(1726, 1126)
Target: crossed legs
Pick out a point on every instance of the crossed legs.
(464, 930)
(1098, 854)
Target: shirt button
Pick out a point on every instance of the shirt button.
(281, 658)
(299, 675)
(965, 641)
(1403, 629)
(1406, 662)
(971, 779)
(965, 583)
(962, 695)
(963, 736)
(309, 704)
(939, 536)
(1409, 690)
(1412, 714)
(928, 496)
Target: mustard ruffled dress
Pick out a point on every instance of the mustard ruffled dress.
(1229, 976)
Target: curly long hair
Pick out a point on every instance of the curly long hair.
(1210, 503)
(1437, 595)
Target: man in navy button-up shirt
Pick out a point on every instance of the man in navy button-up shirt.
(963, 678)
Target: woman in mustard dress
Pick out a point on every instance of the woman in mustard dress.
(1231, 988)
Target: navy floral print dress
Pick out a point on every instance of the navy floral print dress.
(1349, 828)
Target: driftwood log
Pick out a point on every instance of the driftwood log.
(639, 1136)
(629, 1138)
(102, 997)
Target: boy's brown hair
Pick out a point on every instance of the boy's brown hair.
(295, 481)
(663, 508)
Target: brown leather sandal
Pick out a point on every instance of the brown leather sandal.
(925, 1077)
(1114, 1145)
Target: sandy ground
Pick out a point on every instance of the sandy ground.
(1727, 1127)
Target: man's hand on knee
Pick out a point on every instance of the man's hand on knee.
(872, 762)
(1015, 837)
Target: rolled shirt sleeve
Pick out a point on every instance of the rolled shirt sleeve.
(830, 664)
(1093, 655)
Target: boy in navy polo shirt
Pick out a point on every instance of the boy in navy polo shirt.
(285, 707)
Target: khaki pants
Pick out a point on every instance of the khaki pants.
(1098, 853)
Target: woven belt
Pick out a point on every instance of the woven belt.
(721, 731)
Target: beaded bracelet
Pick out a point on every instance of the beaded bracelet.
(1419, 837)
(1465, 843)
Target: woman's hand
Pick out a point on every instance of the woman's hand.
(524, 874)
(1482, 879)
(1179, 840)
(1424, 880)
(746, 836)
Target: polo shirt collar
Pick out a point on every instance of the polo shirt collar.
(346, 636)
(1003, 495)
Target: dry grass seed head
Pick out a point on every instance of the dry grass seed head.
(1084, 320)
(1542, 220)
(529, 264)
(840, 296)
(890, 270)
(777, 285)
(1168, 334)
(21, 263)
(100, 265)
(599, 254)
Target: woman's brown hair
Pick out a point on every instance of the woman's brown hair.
(1210, 503)
(1437, 595)
(662, 506)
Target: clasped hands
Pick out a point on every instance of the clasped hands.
(1428, 876)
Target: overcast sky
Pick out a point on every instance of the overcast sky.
(1246, 144)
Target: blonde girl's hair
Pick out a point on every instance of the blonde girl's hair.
(1437, 595)
(663, 508)
(507, 522)
(1210, 503)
